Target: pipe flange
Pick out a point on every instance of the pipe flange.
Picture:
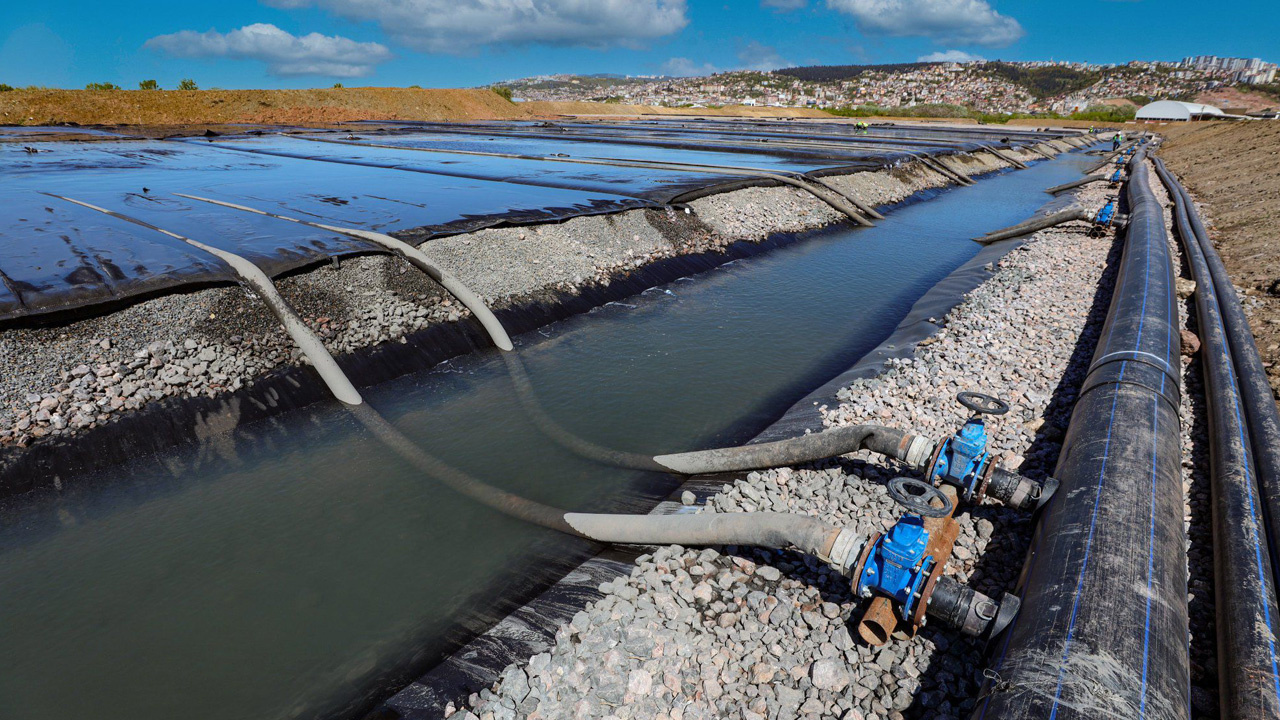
(933, 461)
(862, 560)
(986, 480)
(922, 605)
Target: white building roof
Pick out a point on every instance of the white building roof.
(1176, 110)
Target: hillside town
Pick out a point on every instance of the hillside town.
(982, 86)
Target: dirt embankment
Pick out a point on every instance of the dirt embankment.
(308, 107)
(170, 108)
(1233, 170)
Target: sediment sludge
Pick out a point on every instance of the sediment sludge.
(337, 423)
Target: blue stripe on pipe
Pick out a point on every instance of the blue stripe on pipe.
(1253, 515)
(1151, 554)
(1151, 532)
(1093, 520)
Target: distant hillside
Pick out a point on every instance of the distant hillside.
(1043, 82)
(836, 73)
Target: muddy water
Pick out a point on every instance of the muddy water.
(295, 568)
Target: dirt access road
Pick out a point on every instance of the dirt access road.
(1233, 170)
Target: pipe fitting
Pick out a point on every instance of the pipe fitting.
(970, 611)
(1018, 491)
(918, 450)
(845, 551)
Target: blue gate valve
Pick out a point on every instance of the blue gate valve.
(1118, 176)
(896, 565)
(962, 460)
(1107, 213)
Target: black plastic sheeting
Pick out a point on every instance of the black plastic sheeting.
(656, 187)
(1103, 627)
(57, 256)
(776, 158)
(713, 137)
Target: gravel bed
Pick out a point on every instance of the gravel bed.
(64, 378)
(751, 633)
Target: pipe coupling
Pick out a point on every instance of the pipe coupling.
(970, 611)
(918, 452)
(845, 551)
(1018, 491)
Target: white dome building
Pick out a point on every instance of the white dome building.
(1174, 110)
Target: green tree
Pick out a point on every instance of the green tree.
(5, 88)
(188, 84)
(502, 91)
(337, 86)
(101, 86)
(148, 85)
(1107, 113)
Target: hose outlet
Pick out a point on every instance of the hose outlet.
(969, 611)
(1019, 491)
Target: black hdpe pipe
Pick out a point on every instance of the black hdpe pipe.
(1035, 224)
(1103, 626)
(1261, 413)
(1244, 583)
(1075, 184)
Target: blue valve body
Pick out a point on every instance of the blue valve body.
(897, 566)
(1117, 176)
(1107, 213)
(963, 457)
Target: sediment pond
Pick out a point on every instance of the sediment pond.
(295, 568)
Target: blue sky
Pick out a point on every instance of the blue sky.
(462, 43)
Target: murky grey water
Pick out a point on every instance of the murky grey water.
(293, 567)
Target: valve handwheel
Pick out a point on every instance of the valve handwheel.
(919, 496)
(982, 404)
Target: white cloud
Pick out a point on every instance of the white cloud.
(955, 56)
(684, 67)
(462, 26)
(961, 22)
(284, 53)
(757, 56)
(784, 5)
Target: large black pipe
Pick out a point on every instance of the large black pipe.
(1260, 411)
(1103, 626)
(1244, 584)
